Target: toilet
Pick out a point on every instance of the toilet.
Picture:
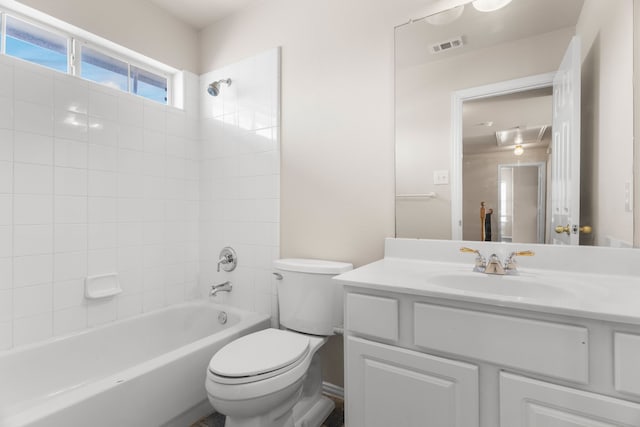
(273, 377)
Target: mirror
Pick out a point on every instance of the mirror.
(468, 81)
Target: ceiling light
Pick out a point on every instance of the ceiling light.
(446, 17)
(490, 5)
(519, 150)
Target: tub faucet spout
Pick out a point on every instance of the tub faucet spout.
(222, 287)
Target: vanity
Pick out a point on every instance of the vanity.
(429, 342)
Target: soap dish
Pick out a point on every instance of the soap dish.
(102, 286)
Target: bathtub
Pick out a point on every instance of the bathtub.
(148, 370)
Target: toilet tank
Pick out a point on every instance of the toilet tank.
(309, 300)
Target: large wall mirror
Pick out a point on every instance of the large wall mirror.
(516, 125)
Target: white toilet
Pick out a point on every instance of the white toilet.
(273, 378)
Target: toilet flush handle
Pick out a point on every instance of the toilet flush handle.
(278, 276)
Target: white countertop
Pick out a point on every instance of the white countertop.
(597, 296)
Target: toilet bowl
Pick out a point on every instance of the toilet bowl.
(273, 377)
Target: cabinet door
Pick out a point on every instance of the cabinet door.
(390, 386)
(530, 403)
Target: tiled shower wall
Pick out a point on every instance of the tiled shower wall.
(240, 180)
(92, 181)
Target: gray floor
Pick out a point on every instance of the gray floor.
(335, 419)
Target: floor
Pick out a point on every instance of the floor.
(335, 419)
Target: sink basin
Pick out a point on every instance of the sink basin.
(512, 287)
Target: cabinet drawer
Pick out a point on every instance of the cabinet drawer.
(627, 363)
(546, 348)
(373, 316)
(525, 402)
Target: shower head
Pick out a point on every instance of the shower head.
(214, 88)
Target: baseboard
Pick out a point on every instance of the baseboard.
(333, 390)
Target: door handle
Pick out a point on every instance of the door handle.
(586, 229)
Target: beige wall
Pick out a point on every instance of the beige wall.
(137, 25)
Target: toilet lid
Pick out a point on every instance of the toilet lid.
(260, 352)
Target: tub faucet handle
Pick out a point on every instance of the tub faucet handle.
(228, 259)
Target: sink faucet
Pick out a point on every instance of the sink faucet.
(494, 265)
(222, 287)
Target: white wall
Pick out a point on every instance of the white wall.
(92, 181)
(240, 180)
(137, 25)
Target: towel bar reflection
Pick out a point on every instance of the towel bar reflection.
(431, 195)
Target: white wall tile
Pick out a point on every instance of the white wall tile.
(6, 241)
(70, 237)
(103, 184)
(152, 300)
(102, 261)
(129, 305)
(6, 145)
(6, 273)
(131, 137)
(32, 209)
(68, 294)
(32, 270)
(130, 234)
(130, 161)
(70, 125)
(130, 110)
(102, 209)
(103, 132)
(103, 158)
(33, 148)
(32, 329)
(32, 239)
(6, 209)
(33, 85)
(32, 300)
(70, 181)
(71, 94)
(6, 80)
(69, 266)
(33, 118)
(103, 235)
(101, 312)
(6, 113)
(154, 117)
(6, 335)
(70, 209)
(69, 320)
(102, 104)
(6, 177)
(32, 179)
(70, 153)
(154, 142)
(6, 305)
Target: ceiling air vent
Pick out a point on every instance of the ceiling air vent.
(446, 45)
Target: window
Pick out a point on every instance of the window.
(34, 44)
(103, 69)
(48, 47)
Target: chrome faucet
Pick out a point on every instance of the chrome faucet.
(228, 259)
(222, 287)
(494, 265)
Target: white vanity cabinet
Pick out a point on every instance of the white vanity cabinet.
(421, 361)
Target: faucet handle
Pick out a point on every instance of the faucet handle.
(510, 263)
(481, 263)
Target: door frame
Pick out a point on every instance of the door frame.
(457, 99)
(542, 191)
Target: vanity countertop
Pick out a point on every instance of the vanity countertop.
(598, 296)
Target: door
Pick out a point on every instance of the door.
(392, 386)
(565, 151)
(525, 402)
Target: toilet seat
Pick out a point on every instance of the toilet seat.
(278, 351)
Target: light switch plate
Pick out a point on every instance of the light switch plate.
(441, 177)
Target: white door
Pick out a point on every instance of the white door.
(525, 402)
(565, 151)
(390, 386)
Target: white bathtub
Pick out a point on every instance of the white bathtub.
(145, 371)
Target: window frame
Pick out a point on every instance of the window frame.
(76, 42)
